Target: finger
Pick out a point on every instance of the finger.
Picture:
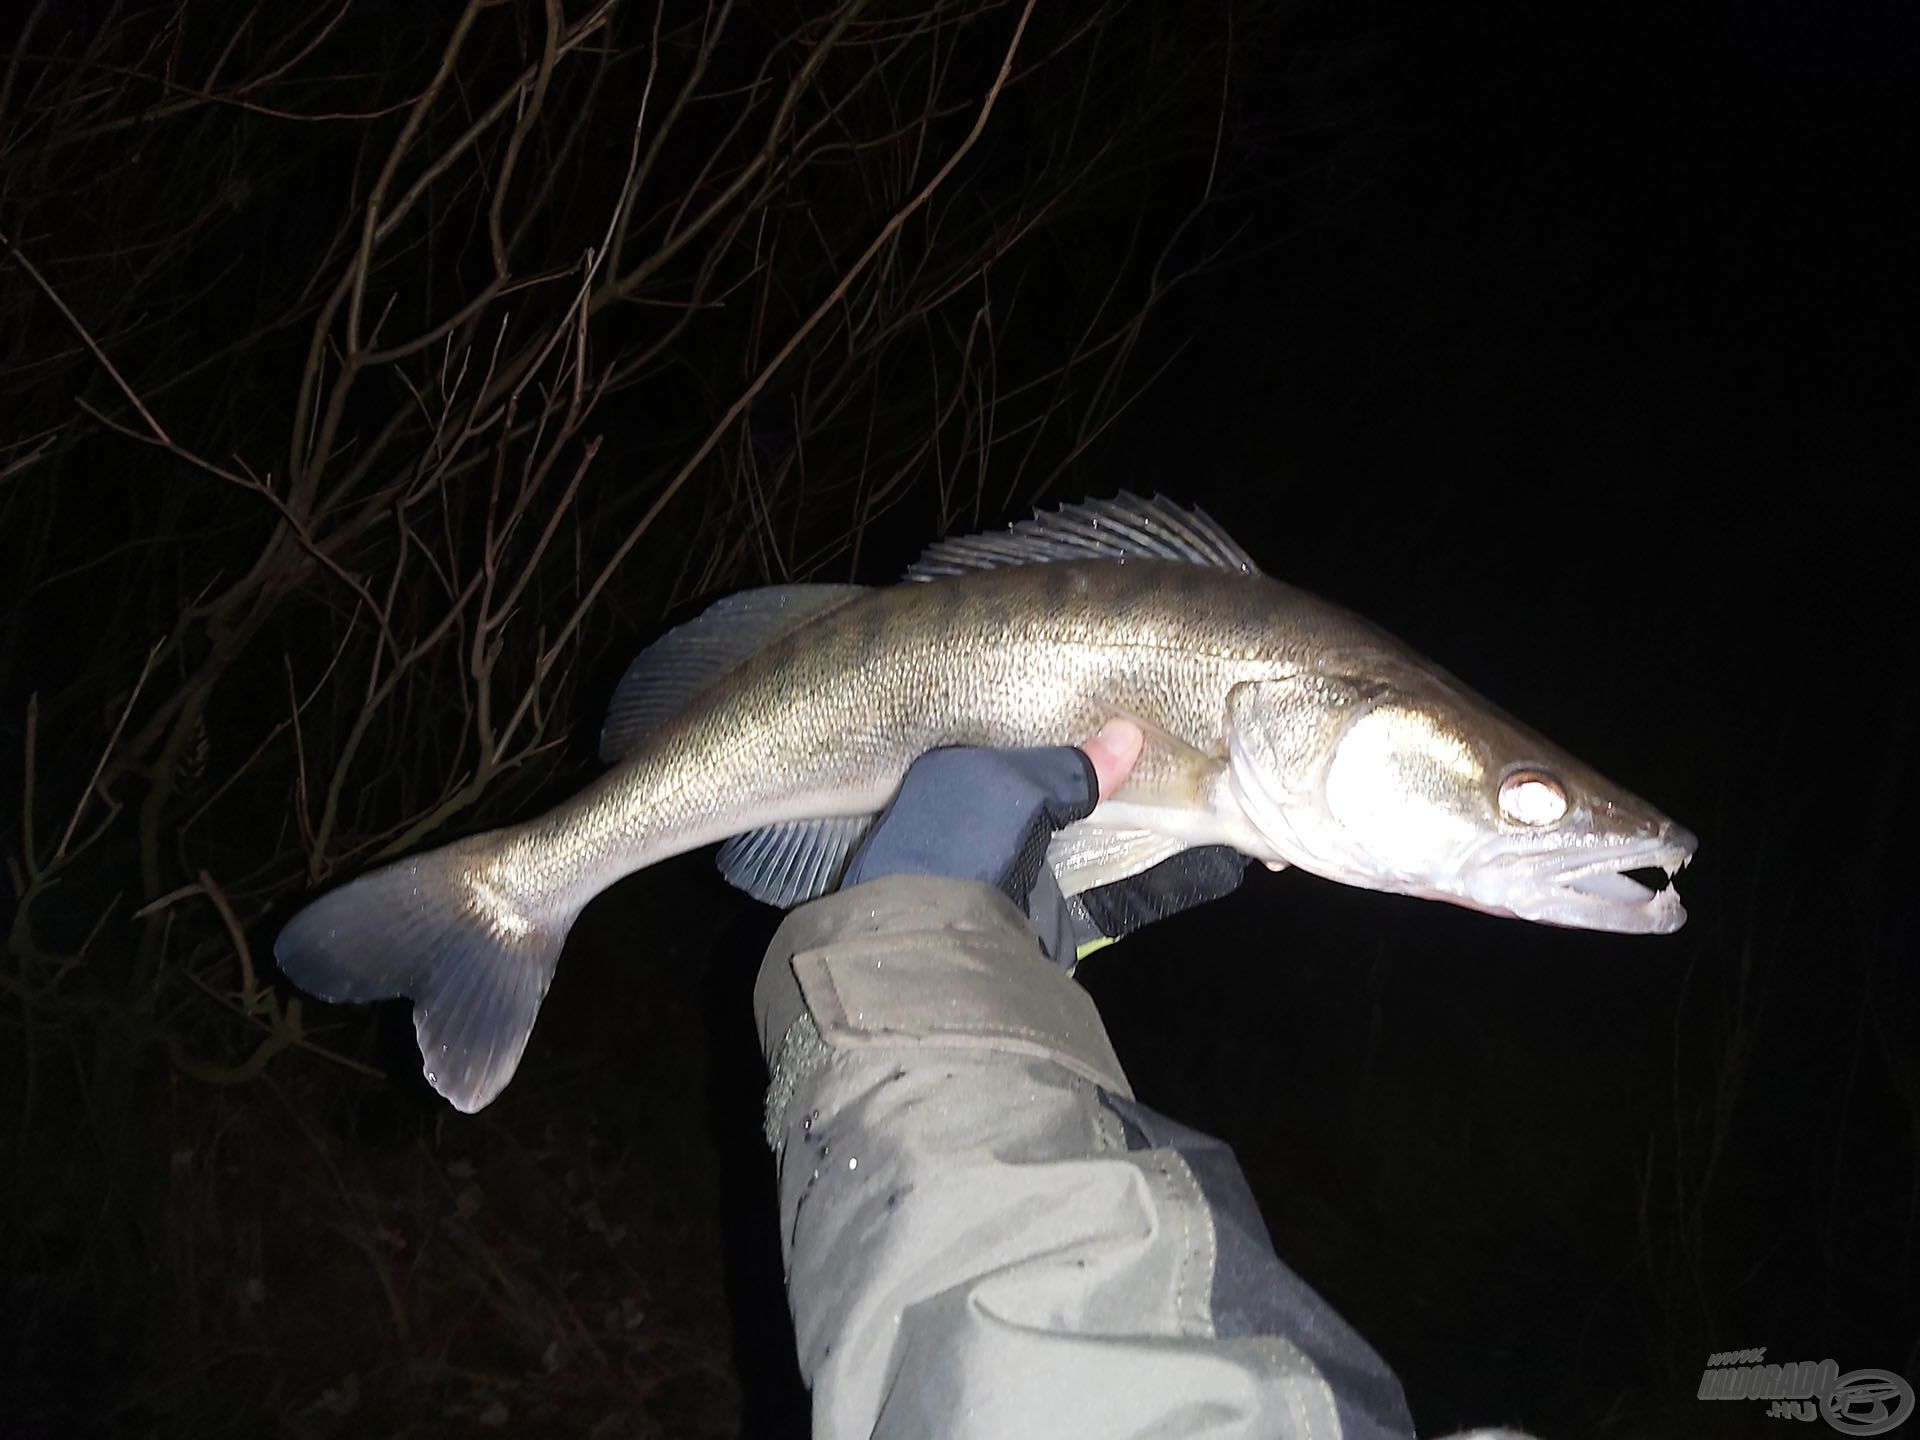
(1114, 752)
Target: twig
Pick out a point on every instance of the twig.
(759, 382)
(79, 807)
(86, 338)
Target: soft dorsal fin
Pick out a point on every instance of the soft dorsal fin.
(687, 659)
(1124, 528)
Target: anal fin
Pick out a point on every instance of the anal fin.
(789, 864)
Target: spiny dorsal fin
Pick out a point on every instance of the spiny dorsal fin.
(787, 864)
(687, 659)
(1124, 528)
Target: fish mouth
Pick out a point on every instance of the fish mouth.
(1627, 888)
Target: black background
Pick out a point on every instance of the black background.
(1587, 365)
(1575, 344)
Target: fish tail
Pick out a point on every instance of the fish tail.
(473, 953)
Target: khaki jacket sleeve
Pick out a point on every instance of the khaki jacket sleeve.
(985, 1235)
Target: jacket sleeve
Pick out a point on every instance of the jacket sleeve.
(985, 1235)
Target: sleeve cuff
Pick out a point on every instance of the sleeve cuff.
(929, 960)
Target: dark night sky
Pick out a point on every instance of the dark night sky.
(1576, 345)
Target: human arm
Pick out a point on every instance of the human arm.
(986, 1235)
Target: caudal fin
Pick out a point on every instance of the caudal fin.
(474, 959)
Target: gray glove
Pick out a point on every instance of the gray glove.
(988, 815)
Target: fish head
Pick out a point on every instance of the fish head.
(1415, 785)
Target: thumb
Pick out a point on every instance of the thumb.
(1114, 752)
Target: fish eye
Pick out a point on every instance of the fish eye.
(1532, 797)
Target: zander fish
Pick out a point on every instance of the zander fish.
(781, 721)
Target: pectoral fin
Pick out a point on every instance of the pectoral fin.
(1087, 855)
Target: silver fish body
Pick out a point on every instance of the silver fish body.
(1276, 723)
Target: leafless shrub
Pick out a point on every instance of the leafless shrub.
(374, 371)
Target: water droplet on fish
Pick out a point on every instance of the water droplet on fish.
(853, 1162)
(807, 1125)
